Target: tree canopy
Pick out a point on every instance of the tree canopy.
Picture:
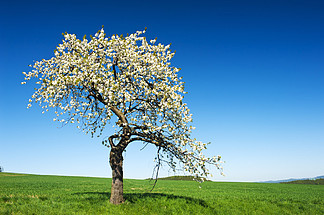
(127, 81)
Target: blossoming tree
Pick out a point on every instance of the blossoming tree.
(127, 81)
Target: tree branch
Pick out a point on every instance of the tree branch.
(114, 67)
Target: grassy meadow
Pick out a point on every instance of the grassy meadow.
(37, 194)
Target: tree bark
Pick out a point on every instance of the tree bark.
(116, 163)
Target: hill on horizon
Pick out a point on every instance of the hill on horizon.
(319, 181)
(292, 179)
(181, 178)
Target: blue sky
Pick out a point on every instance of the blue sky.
(254, 71)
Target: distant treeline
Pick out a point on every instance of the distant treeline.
(316, 182)
(181, 178)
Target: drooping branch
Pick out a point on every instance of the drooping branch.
(157, 167)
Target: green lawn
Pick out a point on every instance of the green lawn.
(34, 194)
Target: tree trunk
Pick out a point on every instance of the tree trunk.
(116, 163)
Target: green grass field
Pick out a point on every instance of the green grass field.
(35, 194)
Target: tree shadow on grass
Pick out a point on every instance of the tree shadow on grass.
(134, 197)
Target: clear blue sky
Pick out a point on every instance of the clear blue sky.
(254, 71)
